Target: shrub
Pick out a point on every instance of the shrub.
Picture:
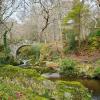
(50, 52)
(85, 70)
(2, 58)
(36, 51)
(97, 72)
(2, 55)
(30, 52)
(94, 41)
(1, 48)
(98, 62)
(7, 59)
(68, 67)
(72, 43)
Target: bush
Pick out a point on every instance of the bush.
(1, 48)
(51, 52)
(72, 43)
(2, 58)
(30, 52)
(2, 55)
(97, 73)
(98, 62)
(7, 59)
(36, 51)
(94, 41)
(85, 70)
(68, 67)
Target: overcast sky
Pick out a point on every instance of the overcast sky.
(20, 14)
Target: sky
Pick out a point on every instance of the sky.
(19, 16)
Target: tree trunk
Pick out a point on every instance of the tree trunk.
(78, 24)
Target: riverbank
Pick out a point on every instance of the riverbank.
(93, 85)
(19, 83)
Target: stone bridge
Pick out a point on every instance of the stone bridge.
(16, 46)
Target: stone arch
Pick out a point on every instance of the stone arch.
(17, 51)
(14, 47)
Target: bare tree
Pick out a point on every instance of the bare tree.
(7, 9)
(47, 15)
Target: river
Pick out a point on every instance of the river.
(91, 84)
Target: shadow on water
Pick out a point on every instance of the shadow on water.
(92, 85)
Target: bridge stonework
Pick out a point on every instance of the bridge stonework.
(15, 46)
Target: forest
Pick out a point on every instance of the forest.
(49, 49)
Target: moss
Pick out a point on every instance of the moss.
(11, 91)
(26, 84)
(42, 70)
(12, 71)
(78, 91)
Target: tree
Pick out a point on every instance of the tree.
(47, 17)
(80, 15)
(7, 9)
